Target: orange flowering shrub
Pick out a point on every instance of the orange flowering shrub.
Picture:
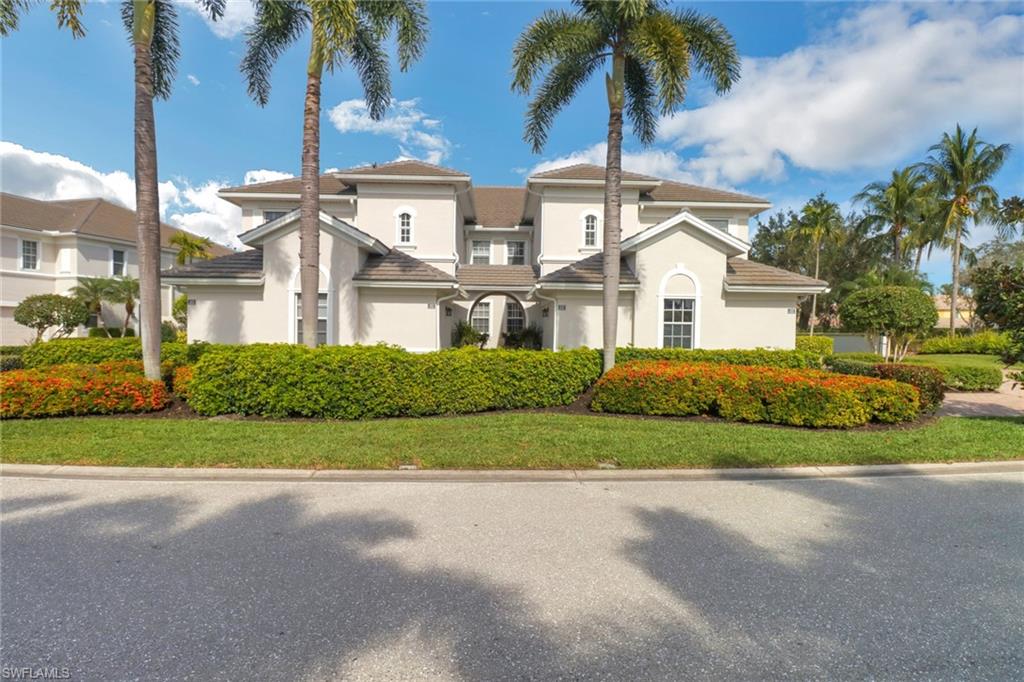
(106, 388)
(798, 397)
(182, 381)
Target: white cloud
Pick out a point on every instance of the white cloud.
(418, 135)
(192, 79)
(264, 175)
(660, 163)
(238, 16)
(878, 88)
(203, 212)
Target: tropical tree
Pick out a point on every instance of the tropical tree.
(962, 167)
(1011, 217)
(93, 292)
(343, 32)
(651, 50)
(820, 220)
(45, 311)
(896, 206)
(125, 290)
(191, 247)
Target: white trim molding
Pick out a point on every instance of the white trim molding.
(212, 281)
(777, 289)
(679, 270)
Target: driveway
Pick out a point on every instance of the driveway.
(908, 577)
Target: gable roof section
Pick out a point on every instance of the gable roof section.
(497, 276)
(396, 266)
(588, 272)
(720, 237)
(335, 226)
(588, 171)
(96, 217)
(672, 191)
(499, 206)
(241, 265)
(408, 167)
(742, 274)
(291, 187)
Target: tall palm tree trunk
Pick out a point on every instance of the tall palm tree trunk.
(956, 280)
(309, 212)
(613, 208)
(814, 297)
(917, 258)
(147, 199)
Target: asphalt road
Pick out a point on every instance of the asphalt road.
(917, 577)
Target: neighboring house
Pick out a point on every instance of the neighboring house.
(407, 249)
(964, 311)
(46, 246)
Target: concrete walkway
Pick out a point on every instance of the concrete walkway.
(1006, 402)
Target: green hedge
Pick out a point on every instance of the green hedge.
(791, 359)
(873, 358)
(93, 351)
(361, 382)
(971, 378)
(10, 357)
(982, 343)
(109, 333)
(796, 397)
(929, 381)
(822, 345)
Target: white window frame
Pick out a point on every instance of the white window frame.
(712, 221)
(398, 226)
(596, 246)
(508, 253)
(293, 317)
(679, 270)
(21, 254)
(682, 323)
(124, 262)
(326, 297)
(472, 251)
(481, 311)
(513, 304)
(283, 213)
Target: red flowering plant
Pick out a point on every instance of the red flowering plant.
(59, 390)
(798, 397)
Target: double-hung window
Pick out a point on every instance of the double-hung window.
(481, 319)
(515, 317)
(516, 253)
(29, 255)
(481, 252)
(321, 319)
(117, 262)
(590, 231)
(718, 223)
(405, 228)
(678, 321)
(270, 216)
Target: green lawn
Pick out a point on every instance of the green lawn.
(509, 440)
(956, 360)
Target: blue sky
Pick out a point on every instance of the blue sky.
(832, 96)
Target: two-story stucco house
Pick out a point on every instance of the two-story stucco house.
(46, 246)
(408, 249)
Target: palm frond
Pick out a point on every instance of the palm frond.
(554, 36)
(334, 25)
(640, 101)
(557, 90)
(278, 24)
(165, 48)
(712, 48)
(408, 17)
(213, 8)
(661, 45)
(69, 15)
(370, 61)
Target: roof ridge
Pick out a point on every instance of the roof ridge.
(395, 162)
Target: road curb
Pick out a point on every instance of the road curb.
(49, 471)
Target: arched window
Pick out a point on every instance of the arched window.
(590, 230)
(405, 226)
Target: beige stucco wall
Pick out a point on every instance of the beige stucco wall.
(252, 209)
(433, 207)
(403, 317)
(579, 319)
(738, 219)
(560, 221)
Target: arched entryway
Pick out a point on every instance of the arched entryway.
(501, 315)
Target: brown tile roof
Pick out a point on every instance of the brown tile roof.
(499, 206)
(587, 171)
(497, 276)
(97, 217)
(404, 167)
(741, 271)
(328, 185)
(242, 264)
(670, 190)
(396, 266)
(587, 271)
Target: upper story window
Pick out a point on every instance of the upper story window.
(590, 230)
(29, 255)
(516, 253)
(269, 216)
(117, 262)
(481, 252)
(404, 228)
(719, 223)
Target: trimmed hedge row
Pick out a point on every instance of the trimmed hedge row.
(821, 345)
(92, 351)
(971, 377)
(983, 343)
(106, 388)
(763, 357)
(362, 382)
(10, 357)
(803, 397)
(928, 381)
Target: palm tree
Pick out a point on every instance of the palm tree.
(69, 15)
(1011, 217)
(651, 49)
(820, 219)
(344, 31)
(191, 247)
(125, 290)
(898, 205)
(962, 166)
(93, 292)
